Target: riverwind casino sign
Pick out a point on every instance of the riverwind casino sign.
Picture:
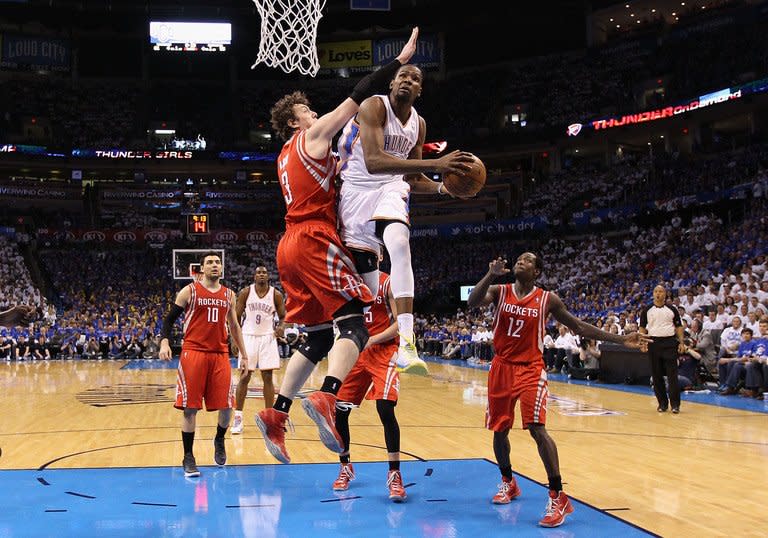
(715, 98)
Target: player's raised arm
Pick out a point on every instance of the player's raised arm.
(483, 293)
(320, 134)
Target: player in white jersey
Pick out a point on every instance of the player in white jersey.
(259, 302)
(380, 165)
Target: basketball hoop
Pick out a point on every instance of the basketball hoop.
(289, 34)
(195, 272)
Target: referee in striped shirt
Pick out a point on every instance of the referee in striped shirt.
(662, 322)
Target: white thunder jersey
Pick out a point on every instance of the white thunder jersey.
(399, 140)
(259, 313)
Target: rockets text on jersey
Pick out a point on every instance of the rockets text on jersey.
(205, 319)
(519, 325)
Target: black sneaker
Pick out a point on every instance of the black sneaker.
(662, 409)
(219, 452)
(675, 410)
(190, 466)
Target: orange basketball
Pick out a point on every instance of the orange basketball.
(468, 184)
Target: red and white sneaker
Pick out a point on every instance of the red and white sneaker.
(272, 422)
(508, 490)
(346, 475)
(321, 408)
(558, 506)
(395, 484)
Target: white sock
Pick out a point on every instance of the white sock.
(405, 327)
(238, 413)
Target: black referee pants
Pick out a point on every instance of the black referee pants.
(663, 354)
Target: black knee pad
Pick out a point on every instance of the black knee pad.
(317, 345)
(365, 261)
(353, 328)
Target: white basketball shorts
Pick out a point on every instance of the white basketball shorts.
(359, 209)
(262, 352)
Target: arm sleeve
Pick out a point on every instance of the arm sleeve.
(168, 321)
(371, 83)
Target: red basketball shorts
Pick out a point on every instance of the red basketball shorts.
(204, 376)
(376, 370)
(508, 383)
(317, 274)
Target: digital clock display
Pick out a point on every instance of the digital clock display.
(198, 224)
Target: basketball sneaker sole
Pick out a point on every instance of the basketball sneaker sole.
(271, 447)
(417, 367)
(327, 436)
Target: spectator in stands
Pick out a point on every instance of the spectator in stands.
(566, 348)
(732, 369)
(712, 323)
(23, 348)
(688, 366)
(730, 338)
(702, 343)
(6, 346)
(756, 375)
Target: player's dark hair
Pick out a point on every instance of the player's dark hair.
(205, 255)
(282, 112)
(259, 263)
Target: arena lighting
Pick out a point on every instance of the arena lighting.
(165, 131)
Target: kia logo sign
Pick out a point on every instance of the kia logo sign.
(257, 236)
(125, 237)
(156, 236)
(94, 235)
(226, 236)
(574, 129)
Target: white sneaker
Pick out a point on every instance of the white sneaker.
(237, 425)
(408, 361)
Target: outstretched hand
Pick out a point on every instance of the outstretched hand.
(455, 162)
(637, 341)
(409, 49)
(498, 267)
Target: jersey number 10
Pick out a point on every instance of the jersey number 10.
(213, 315)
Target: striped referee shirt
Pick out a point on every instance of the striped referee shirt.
(660, 321)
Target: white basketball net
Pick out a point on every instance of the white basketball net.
(288, 34)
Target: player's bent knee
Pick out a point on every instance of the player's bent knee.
(386, 410)
(353, 328)
(317, 345)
